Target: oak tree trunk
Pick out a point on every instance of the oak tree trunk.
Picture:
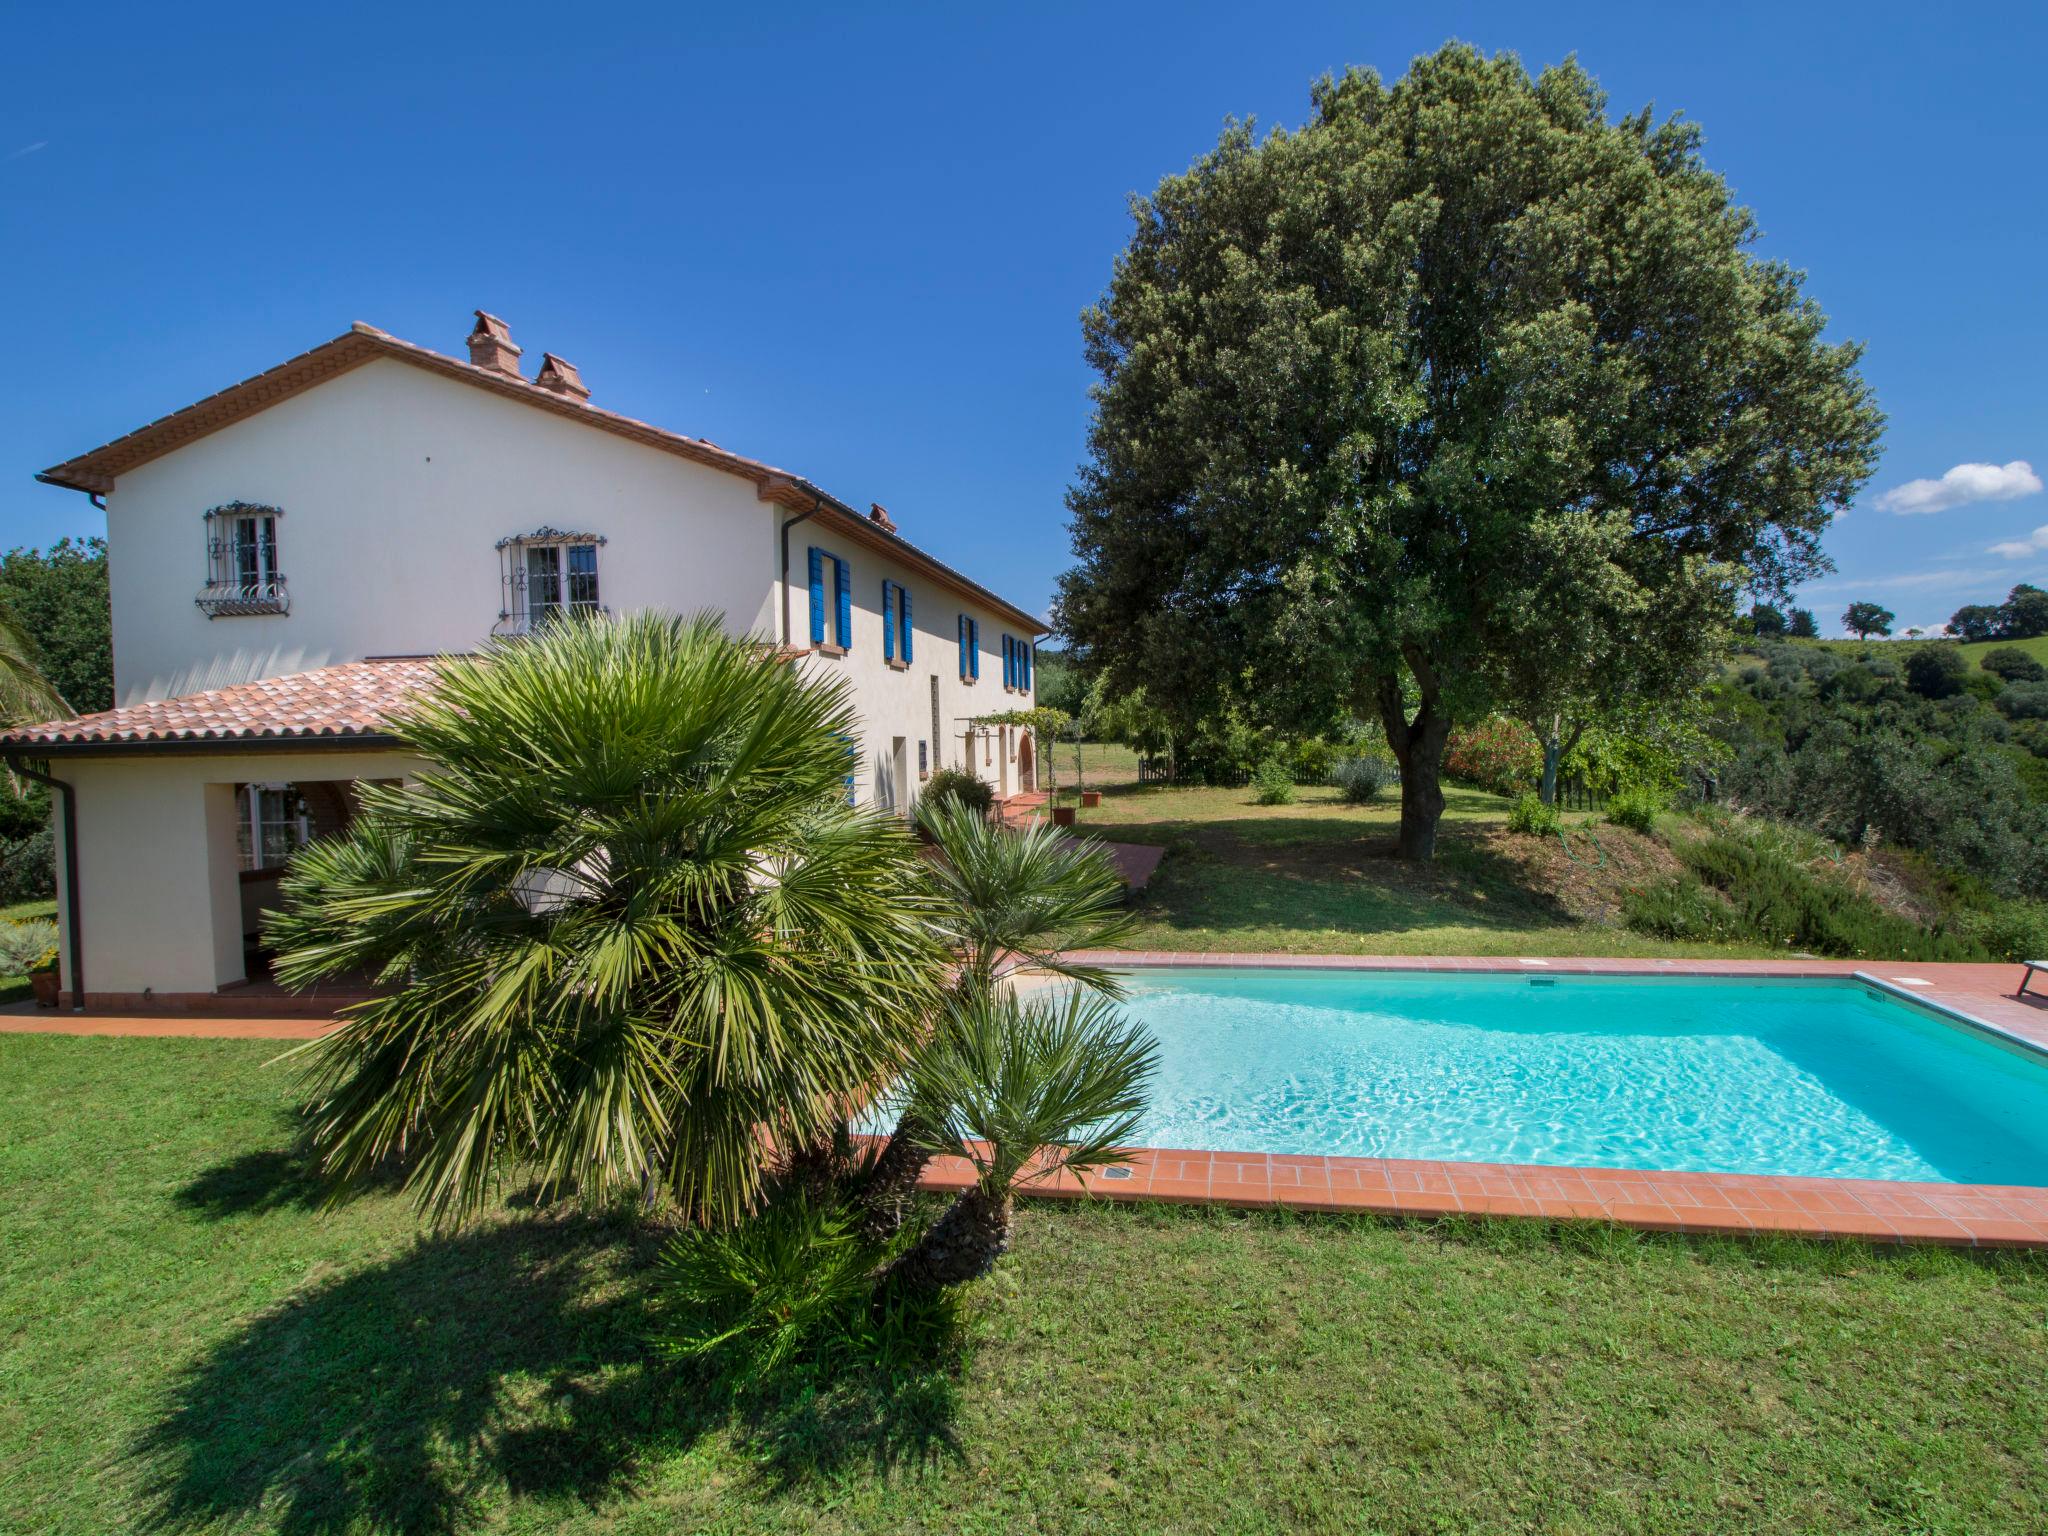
(1418, 745)
(962, 1245)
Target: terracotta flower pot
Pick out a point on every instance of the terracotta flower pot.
(1063, 815)
(45, 984)
(1090, 798)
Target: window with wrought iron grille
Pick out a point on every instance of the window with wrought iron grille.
(243, 576)
(548, 574)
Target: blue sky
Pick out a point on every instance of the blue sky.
(856, 244)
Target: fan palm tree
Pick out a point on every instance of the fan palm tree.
(1028, 895)
(632, 935)
(1029, 1088)
(25, 694)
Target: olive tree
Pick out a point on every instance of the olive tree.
(1348, 373)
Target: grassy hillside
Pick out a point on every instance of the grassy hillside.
(1901, 649)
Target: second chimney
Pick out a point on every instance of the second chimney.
(561, 377)
(490, 346)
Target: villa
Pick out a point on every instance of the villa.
(289, 555)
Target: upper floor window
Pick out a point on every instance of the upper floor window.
(242, 572)
(548, 574)
(1016, 664)
(970, 649)
(842, 599)
(896, 624)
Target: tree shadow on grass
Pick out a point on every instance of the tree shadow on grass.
(504, 1362)
(275, 1179)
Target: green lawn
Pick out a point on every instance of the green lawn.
(1319, 877)
(186, 1344)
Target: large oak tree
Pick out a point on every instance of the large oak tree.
(1351, 374)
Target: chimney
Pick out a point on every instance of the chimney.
(561, 377)
(879, 515)
(490, 346)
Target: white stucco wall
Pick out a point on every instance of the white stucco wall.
(897, 702)
(157, 868)
(396, 485)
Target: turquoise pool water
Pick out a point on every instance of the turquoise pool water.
(1823, 1078)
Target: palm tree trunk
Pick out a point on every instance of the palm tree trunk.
(884, 1200)
(961, 1245)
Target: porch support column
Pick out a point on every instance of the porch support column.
(224, 882)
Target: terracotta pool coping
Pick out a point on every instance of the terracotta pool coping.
(1877, 1210)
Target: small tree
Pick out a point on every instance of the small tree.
(1977, 622)
(1937, 672)
(2024, 614)
(1866, 619)
(1802, 625)
(1023, 1091)
(1767, 622)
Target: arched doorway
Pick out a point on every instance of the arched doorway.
(1027, 766)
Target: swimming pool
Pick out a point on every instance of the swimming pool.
(1825, 1078)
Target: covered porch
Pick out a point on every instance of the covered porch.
(176, 819)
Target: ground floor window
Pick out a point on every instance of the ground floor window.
(275, 824)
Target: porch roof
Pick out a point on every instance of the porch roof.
(345, 705)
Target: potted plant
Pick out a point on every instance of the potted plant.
(44, 979)
(1062, 815)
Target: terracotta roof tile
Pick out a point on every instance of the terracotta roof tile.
(354, 699)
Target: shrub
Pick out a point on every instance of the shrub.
(28, 868)
(1531, 815)
(952, 784)
(25, 946)
(1312, 760)
(791, 1290)
(2008, 930)
(1497, 754)
(1936, 671)
(2024, 701)
(2013, 664)
(1680, 909)
(1275, 783)
(1769, 898)
(1636, 809)
(1361, 778)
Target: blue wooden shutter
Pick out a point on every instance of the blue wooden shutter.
(963, 646)
(1024, 650)
(888, 619)
(909, 629)
(974, 649)
(817, 596)
(844, 627)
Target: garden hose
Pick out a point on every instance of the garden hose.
(1565, 843)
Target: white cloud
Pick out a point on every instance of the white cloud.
(1961, 486)
(2035, 543)
(29, 149)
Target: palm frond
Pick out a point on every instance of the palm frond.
(1030, 893)
(1023, 1088)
